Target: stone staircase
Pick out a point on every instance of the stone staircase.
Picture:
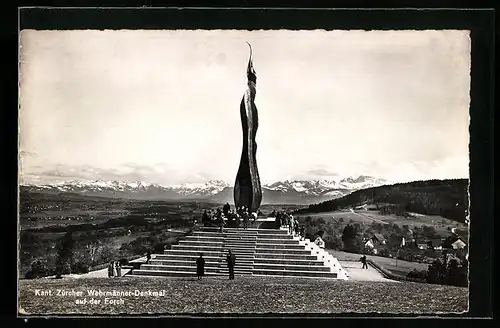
(259, 252)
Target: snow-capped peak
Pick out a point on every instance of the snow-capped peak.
(318, 187)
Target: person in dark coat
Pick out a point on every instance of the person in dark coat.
(148, 256)
(226, 209)
(110, 269)
(205, 218)
(200, 266)
(246, 220)
(363, 260)
(231, 261)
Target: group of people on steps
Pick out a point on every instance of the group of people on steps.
(241, 217)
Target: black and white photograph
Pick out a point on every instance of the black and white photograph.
(209, 171)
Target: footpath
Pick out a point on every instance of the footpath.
(357, 273)
(102, 273)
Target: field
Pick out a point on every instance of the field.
(440, 224)
(401, 268)
(114, 228)
(257, 295)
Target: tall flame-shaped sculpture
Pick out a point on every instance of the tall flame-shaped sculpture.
(247, 189)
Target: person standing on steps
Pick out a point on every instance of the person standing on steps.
(246, 219)
(225, 209)
(254, 219)
(291, 225)
(220, 220)
(231, 261)
(200, 266)
(148, 257)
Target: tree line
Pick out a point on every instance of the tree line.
(447, 198)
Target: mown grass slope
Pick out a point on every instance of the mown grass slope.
(244, 295)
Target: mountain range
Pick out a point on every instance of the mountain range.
(281, 192)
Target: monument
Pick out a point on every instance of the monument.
(247, 188)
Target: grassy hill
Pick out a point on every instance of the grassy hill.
(259, 295)
(447, 198)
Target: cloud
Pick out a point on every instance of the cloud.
(160, 174)
(322, 172)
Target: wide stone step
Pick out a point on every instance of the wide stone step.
(243, 258)
(256, 230)
(240, 235)
(238, 267)
(195, 253)
(269, 236)
(177, 268)
(280, 246)
(277, 241)
(285, 256)
(164, 273)
(200, 243)
(282, 251)
(287, 267)
(287, 261)
(241, 272)
(182, 263)
(198, 248)
(239, 241)
(294, 273)
(223, 235)
(204, 238)
(239, 246)
(191, 257)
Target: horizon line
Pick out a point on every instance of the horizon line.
(389, 181)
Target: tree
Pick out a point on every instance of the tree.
(348, 233)
(64, 259)
(37, 270)
(93, 249)
(350, 238)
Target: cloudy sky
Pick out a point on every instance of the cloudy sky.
(163, 106)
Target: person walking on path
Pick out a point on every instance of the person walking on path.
(110, 269)
(148, 257)
(118, 269)
(363, 260)
(231, 261)
(115, 273)
(200, 266)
